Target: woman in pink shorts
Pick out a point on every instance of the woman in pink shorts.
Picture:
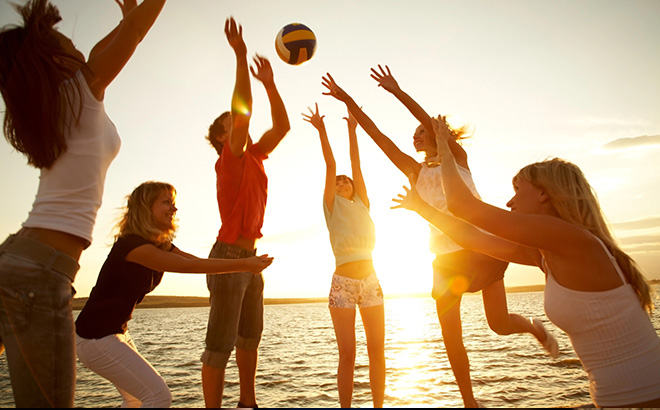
(352, 236)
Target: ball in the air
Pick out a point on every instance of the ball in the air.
(295, 43)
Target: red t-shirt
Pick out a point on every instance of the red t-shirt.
(242, 189)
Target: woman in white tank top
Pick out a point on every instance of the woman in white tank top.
(594, 291)
(55, 117)
(455, 270)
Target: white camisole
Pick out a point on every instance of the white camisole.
(612, 336)
(70, 192)
(429, 186)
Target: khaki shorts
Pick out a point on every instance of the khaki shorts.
(236, 317)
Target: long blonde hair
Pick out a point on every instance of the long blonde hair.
(138, 216)
(577, 203)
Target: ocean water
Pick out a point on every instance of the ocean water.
(298, 359)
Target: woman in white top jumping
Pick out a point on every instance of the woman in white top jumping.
(594, 291)
(353, 237)
(55, 116)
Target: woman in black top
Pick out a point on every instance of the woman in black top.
(142, 251)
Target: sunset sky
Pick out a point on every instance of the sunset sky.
(573, 79)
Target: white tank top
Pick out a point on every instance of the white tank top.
(612, 336)
(70, 192)
(429, 186)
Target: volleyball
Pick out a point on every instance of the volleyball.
(295, 43)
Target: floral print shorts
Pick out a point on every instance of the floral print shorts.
(348, 292)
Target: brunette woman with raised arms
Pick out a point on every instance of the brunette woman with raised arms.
(55, 116)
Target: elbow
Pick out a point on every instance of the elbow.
(284, 129)
(283, 126)
(134, 31)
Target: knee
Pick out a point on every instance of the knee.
(499, 327)
(161, 398)
(376, 352)
(347, 355)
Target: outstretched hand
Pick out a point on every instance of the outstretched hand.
(410, 199)
(256, 264)
(443, 133)
(234, 33)
(351, 121)
(333, 89)
(126, 6)
(315, 118)
(263, 71)
(385, 79)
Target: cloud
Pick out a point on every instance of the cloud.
(652, 241)
(633, 142)
(644, 223)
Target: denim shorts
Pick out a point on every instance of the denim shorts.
(348, 292)
(36, 325)
(236, 317)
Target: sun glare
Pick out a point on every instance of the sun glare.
(407, 330)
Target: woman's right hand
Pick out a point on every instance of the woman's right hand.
(256, 264)
(315, 118)
(351, 121)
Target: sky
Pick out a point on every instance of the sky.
(537, 79)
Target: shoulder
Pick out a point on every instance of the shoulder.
(256, 151)
(130, 242)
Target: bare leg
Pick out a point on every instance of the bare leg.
(213, 384)
(344, 323)
(449, 314)
(373, 319)
(246, 360)
(499, 319)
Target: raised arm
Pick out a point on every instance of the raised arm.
(241, 100)
(405, 163)
(182, 262)
(356, 169)
(330, 165)
(281, 126)
(109, 56)
(541, 231)
(386, 80)
(466, 234)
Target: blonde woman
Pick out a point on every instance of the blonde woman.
(354, 282)
(143, 250)
(594, 291)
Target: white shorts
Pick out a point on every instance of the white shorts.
(348, 292)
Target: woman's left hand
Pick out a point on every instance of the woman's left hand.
(315, 118)
(411, 199)
(443, 134)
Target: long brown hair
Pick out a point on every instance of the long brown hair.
(576, 202)
(138, 215)
(33, 66)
